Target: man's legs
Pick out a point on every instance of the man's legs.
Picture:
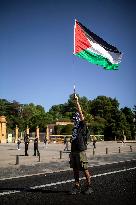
(76, 177)
(66, 148)
(26, 149)
(76, 188)
(37, 151)
(75, 164)
(88, 180)
(34, 150)
(87, 176)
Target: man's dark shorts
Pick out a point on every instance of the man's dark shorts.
(78, 160)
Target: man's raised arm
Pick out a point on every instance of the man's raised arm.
(78, 107)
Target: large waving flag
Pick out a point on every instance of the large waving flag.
(94, 49)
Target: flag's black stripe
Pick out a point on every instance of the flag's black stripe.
(99, 40)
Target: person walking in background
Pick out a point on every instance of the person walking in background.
(18, 143)
(36, 151)
(94, 142)
(66, 143)
(78, 158)
(45, 142)
(26, 141)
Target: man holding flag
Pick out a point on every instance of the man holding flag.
(78, 158)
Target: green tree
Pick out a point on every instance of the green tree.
(102, 115)
(130, 115)
(67, 129)
(97, 125)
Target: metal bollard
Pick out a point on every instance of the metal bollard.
(106, 150)
(93, 151)
(130, 148)
(60, 154)
(17, 159)
(119, 149)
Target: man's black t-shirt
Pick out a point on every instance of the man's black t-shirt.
(79, 137)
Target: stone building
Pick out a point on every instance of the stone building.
(3, 130)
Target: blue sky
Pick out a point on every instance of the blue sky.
(36, 46)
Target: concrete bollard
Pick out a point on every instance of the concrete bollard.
(93, 151)
(17, 159)
(119, 149)
(130, 148)
(106, 150)
(60, 154)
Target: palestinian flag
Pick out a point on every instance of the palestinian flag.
(94, 49)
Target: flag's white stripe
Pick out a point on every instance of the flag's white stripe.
(68, 181)
(114, 58)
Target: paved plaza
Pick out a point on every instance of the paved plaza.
(52, 158)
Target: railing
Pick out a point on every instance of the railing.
(60, 138)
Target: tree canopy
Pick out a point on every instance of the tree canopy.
(102, 114)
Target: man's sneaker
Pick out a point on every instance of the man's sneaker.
(75, 190)
(88, 191)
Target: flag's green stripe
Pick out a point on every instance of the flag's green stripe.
(97, 59)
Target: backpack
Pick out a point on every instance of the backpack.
(83, 139)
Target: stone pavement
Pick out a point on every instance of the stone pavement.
(51, 159)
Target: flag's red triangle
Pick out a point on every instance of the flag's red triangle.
(80, 40)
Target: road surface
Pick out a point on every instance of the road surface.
(113, 184)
